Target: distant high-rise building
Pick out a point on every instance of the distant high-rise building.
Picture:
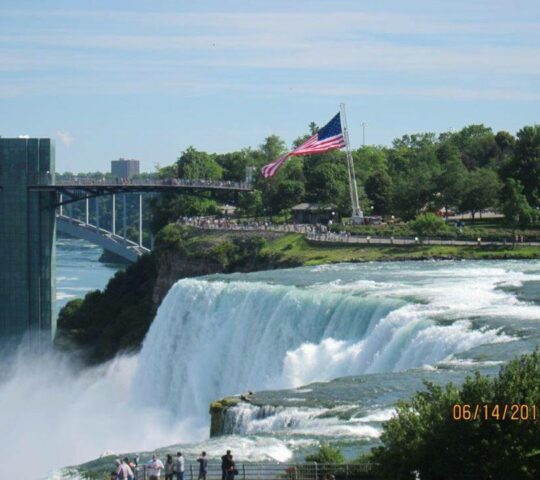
(124, 168)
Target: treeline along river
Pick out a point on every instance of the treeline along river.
(328, 351)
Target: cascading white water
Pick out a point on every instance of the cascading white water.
(265, 331)
(246, 419)
(216, 338)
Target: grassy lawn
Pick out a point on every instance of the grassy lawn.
(295, 248)
(487, 229)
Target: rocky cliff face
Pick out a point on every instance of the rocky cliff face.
(172, 266)
(217, 412)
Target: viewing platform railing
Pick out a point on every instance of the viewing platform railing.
(273, 471)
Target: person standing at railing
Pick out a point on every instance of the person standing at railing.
(179, 466)
(130, 472)
(123, 471)
(225, 462)
(230, 468)
(154, 468)
(134, 465)
(169, 467)
(203, 466)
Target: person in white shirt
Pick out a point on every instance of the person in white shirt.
(154, 468)
(129, 470)
(123, 471)
(179, 466)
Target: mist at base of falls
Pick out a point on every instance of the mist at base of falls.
(223, 335)
(53, 415)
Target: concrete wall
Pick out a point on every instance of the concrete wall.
(27, 238)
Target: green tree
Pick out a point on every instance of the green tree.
(234, 164)
(516, 209)
(328, 183)
(272, 148)
(172, 238)
(194, 164)
(525, 164)
(477, 145)
(505, 143)
(414, 168)
(284, 189)
(416, 141)
(169, 207)
(426, 436)
(293, 169)
(313, 128)
(288, 194)
(481, 191)
(378, 188)
(414, 189)
(251, 203)
(451, 180)
(369, 160)
(171, 171)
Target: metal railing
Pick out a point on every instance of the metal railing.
(45, 179)
(271, 471)
(321, 233)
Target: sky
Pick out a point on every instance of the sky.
(146, 79)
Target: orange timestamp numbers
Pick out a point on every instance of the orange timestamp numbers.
(498, 411)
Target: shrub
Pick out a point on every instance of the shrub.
(326, 454)
(427, 224)
(424, 436)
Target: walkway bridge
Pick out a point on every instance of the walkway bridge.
(109, 241)
(70, 191)
(73, 191)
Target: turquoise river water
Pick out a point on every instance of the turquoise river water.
(328, 351)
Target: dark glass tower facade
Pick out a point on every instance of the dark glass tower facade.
(27, 239)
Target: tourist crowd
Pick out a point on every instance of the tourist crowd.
(180, 182)
(215, 223)
(171, 469)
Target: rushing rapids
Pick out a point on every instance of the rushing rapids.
(328, 351)
(217, 336)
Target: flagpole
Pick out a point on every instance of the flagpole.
(357, 214)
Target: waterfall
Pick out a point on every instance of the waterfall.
(215, 338)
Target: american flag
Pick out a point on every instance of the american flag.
(327, 138)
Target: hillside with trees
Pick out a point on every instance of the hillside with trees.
(471, 170)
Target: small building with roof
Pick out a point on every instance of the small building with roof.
(315, 213)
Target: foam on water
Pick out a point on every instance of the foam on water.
(272, 330)
(249, 419)
(249, 335)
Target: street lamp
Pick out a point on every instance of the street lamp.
(364, 125)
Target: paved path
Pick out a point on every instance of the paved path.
(311, 234)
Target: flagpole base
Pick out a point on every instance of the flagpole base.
(358, 218)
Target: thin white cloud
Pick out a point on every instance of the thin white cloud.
(293, 21)
(65, 137)
(192, 48)
(262, 52)
(186, 86)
